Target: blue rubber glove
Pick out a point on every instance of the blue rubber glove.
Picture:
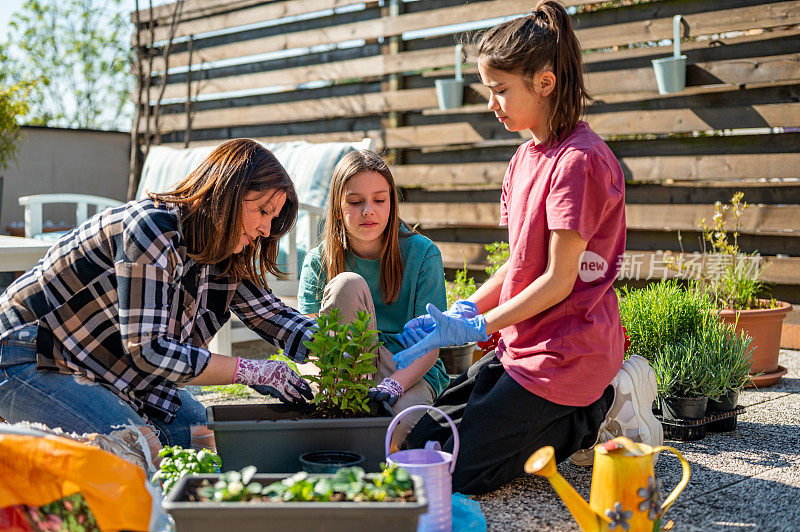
(447, 330)
(388, 390)
(424, 324)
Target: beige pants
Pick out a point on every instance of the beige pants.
(349, 292)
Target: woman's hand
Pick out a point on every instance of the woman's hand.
(274, 378)
(388, 390)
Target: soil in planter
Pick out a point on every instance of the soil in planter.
(193, 496)
(309, 411)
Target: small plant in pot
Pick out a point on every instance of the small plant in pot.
(274, 436)
(731, 354)
(731, 278)
(458, 358)
(391, 500)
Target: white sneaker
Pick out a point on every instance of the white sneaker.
(631, 413)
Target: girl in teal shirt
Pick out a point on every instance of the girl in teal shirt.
(371, 261)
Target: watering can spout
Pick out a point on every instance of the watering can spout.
(543, 463)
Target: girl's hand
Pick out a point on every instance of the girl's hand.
(448, 330)
(274, 378)
(417, 328)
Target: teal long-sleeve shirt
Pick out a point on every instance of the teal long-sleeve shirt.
(423, 283)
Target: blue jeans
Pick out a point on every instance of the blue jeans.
(74, 403)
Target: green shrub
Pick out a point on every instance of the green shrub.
(177, 462)
(660, 314)
(344, 354)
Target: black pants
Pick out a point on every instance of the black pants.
(500, 424)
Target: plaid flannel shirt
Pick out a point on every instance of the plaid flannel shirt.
(119, 301)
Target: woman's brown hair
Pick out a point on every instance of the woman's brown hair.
(211, 198)
(335, 244)
(543, 40)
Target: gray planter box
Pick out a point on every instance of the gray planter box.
(303, 516)
(268, 437)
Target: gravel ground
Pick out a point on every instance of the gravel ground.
(745, 479)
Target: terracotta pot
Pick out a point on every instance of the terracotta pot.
(764, 325)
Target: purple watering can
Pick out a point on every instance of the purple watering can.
(435, 467)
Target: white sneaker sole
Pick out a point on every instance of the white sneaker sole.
(636, 379)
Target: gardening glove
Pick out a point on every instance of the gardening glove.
(388, 390)
(425, 323)
(274, 378)
(447, 330)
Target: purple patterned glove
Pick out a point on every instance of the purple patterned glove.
(274, 378)
(388, 390)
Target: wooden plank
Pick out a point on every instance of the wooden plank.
(320, 109)
(192, 23)
(365, 67)
(451, 175)
(367, 30)
(711, 167)
(780, 220)
(732, 72)
(655, 28)
(339, 136)
(637, 264)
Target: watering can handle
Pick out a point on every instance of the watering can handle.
(684, 480)
(396, 420)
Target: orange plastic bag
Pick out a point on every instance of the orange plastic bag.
(39, 470)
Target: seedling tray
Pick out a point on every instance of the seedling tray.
(696, 429)
(301, 516)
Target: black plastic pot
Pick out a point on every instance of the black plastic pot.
(457, 358)
(726, 403)
(329, 461)
(273, 436)
(304, 516)
(684, 407)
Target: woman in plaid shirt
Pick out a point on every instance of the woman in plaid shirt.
(117, 314)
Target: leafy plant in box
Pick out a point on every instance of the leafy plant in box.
(707, 364)
(344, 354)
(347, 484)
(660, 314)
(177, 462)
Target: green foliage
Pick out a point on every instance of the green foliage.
(13, 104)
(734, 284)
(344, 354)
(79, 52)
(348, 484)
(660, 314)
(177, 462)
(230, 390)
(461, 288)
(463, 285)
(499, 253)
(707, 364)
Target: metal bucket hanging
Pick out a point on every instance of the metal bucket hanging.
(435, 467)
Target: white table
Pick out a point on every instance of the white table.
(19, 254)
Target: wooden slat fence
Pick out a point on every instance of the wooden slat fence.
(323, 70)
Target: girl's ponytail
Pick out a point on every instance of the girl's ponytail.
(542, 40)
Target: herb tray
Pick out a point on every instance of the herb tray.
(696, 429)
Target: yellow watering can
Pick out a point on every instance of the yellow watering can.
(625, 492)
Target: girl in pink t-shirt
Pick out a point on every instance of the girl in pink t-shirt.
(557, 376)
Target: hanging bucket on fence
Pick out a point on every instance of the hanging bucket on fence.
(450, 92)
(435, 467)
(671, 71)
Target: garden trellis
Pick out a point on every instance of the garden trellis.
(324, 70)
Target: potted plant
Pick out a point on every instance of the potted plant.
(273, 436)
(345, 501)
(661, 314)
(458, 358)
(731, 354)
(734, 285)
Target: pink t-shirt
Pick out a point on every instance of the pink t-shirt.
(569, 353)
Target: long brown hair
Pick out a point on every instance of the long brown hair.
(542, 40)
(335, 245)
(211, 198)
